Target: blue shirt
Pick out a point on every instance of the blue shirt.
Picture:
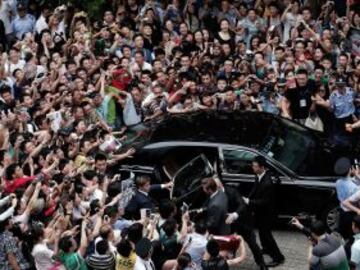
(148, 57)
(345, 187)
(269, 105)
(342, 104)
(103, 109)
(23, 25)
(122, 224)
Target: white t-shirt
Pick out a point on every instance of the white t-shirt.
(143, 265)
(97, 195)
(355, 252)
(290, 21)
(135, 67)
(5, 9)
(10, 67)
(197, 247)
(41, 24)
(42, 256)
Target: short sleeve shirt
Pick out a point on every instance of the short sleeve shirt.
(8, 244)
(342, 104)
(355, 252)
(300, 100)
(355, 198)
(345, 188)
(73, 261)
(125, 263)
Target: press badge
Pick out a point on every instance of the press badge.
(302, 103)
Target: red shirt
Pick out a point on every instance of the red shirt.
(12, 186)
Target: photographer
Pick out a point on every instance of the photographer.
(155, 104)
(326, 250)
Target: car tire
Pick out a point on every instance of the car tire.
(330, 217)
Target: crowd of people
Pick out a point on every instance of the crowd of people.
(75, 90)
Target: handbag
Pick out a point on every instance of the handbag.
(314, 122)
(228, 242)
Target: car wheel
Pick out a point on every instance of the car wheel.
(331, 217)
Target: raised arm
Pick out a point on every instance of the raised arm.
(242, 251)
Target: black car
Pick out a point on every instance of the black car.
(188, 147)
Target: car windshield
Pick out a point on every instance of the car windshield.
(291, 145)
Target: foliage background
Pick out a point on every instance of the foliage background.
(94, 8)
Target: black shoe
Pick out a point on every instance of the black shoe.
(276, 262)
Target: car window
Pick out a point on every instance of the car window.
(190, 175)
(238, 161)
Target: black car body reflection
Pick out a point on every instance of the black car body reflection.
(185, 148)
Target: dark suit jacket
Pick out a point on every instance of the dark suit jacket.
(216, 213)
(262, 198)
(237, 204)
(139, 201)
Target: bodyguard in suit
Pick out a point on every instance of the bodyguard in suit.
(240, 218)
(261, 203)
(216, 208)
(141, 199)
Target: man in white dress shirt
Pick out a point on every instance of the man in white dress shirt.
(143, 255)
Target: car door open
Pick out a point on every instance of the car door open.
(187, 179)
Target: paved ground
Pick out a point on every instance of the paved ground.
(293, 245)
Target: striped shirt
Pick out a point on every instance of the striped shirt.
(101, 262)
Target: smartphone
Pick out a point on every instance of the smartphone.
(145, 213)
(148, 213)
(184, 208)
(61, 210)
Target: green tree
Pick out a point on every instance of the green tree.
(94, 8)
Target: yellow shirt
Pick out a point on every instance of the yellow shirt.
(81, 162)
(125, 263)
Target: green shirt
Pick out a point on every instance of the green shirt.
(72, 261)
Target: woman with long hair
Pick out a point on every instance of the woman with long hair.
(225, 35)
(191, 17)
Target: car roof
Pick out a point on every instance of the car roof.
(238, 128)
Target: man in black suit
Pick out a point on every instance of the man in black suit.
(240, 218)
(141, 199)
(261, 202)
(216, 208)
